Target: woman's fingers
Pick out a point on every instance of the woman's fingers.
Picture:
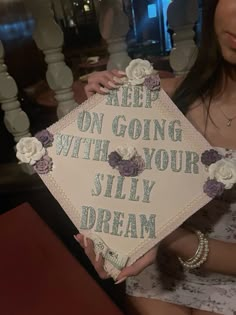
(96, 260)
(92, 88)
(118, 73)
(108, 82)
(135, 269)
(102, 82)
(115, 78)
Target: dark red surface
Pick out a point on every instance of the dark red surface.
(38, 276)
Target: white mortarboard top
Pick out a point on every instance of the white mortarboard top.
(126, 167)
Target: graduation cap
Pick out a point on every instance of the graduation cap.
(126, 167)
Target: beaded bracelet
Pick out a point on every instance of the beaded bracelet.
(201, 254)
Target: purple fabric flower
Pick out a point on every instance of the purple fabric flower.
(213, 188)
(44, 165)
(139, 161)
(128, 168)
(153, 83)
(210, 156)
(45, 137)
(113, 159)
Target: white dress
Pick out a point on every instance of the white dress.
(201, 290)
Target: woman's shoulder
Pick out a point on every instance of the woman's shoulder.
(170, 85)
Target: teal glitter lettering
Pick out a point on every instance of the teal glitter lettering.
(174, 161)
(87, 147)
(148, 226)
(98, 185)
(117, 223)
(110, 180)
(130, 95)
(84, 121)
(97, 122)
(192, 159)
(154, 95)
(135, 129)
(148, 157)
(162, 160)
(115, 125)
(119, 188)
(147, 187)
(125, 96)
(175, 134)
(131, 227)
(159, 129)
(88, 218)
(103, 217)
(133, 190)
(148, 99)
(151, 96)
(101, 150)
(63, 143)
(137, 92)
(147, 123)
(112, 98)
(76, 149)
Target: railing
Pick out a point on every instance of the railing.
(113, 22)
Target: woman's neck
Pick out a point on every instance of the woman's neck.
(228, 89)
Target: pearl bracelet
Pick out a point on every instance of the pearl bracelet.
(201, 254)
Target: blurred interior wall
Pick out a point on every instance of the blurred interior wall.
(25, 62)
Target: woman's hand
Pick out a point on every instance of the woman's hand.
(98, 262)
(103, 81)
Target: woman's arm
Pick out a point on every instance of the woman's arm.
(221, 257)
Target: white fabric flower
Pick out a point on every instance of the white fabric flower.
(126, 152)
(29, 150)
(224, 171)
(138, 70)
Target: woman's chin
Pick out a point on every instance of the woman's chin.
(229, 55)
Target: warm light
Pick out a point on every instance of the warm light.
(86, 8)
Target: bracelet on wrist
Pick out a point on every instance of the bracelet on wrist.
(201, 255)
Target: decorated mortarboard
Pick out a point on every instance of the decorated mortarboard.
(127, 168)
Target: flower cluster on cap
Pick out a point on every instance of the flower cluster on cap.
(126, 160)
(33, 150)
(222, 172)
(141, 72)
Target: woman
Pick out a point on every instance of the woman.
(207, 96)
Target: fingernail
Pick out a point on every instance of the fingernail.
(122, 72)
(118, 80)
(113, 85)
(105, 90)
(97, 257)
(121, 280)
(85, 242)
(76, 238)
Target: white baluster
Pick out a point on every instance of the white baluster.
(114, 26)
(182, 16)
(16, 121)
(49, 38)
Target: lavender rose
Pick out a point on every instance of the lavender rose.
(210, 156)
(213, 188)
(139, 161)
(128, 168)
(44, 165)
(45, 137)
(113, 159)
(153, 83)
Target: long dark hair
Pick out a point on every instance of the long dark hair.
(206, 77)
